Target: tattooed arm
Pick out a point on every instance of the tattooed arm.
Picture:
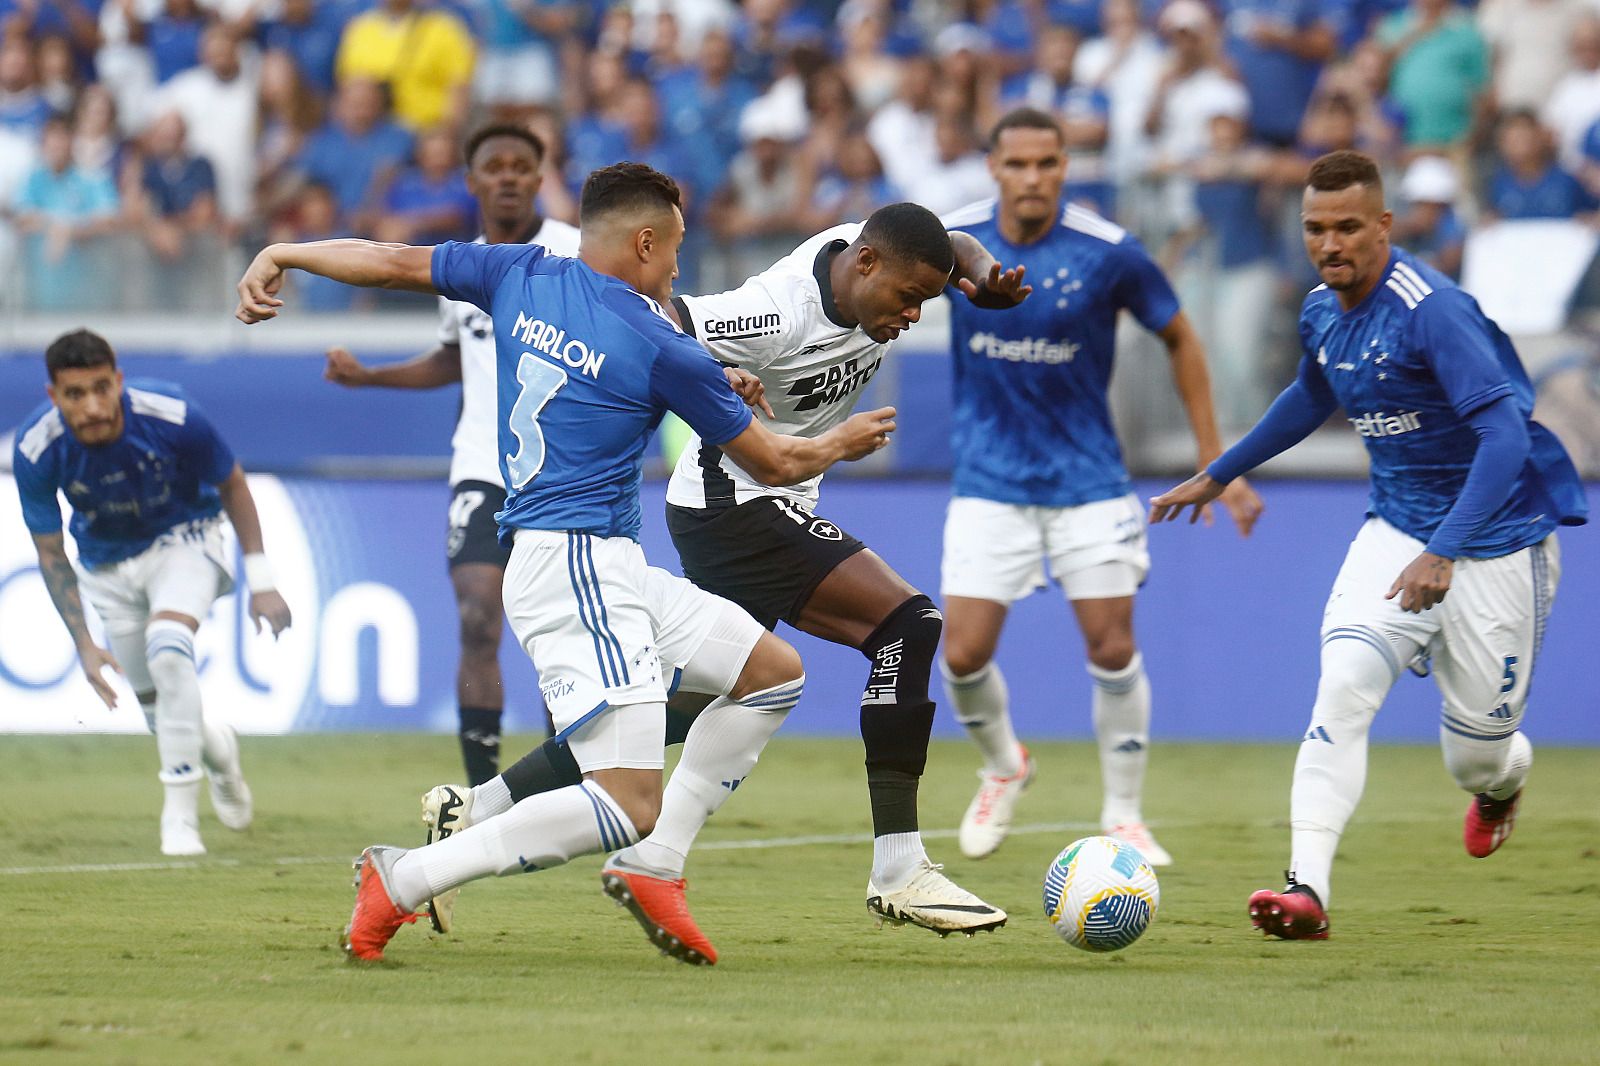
(62, 582)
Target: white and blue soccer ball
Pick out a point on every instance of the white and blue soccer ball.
(1100, 894)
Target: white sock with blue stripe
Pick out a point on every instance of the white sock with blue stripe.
(1122, 729)
(169, 653)
(719, 753)
(982, 706)
(539, 833)
(1331, 769)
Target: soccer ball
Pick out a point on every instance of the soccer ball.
(1100, 894)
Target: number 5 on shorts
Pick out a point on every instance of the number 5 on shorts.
(540, 381)
(1510, 676)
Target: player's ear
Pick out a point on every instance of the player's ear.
(644, 243)
(866, 260)
(1386, 223)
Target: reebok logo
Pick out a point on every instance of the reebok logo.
(741, 327)
(833, 384)
(1023, 350)
(1379, 424)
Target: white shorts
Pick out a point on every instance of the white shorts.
(1484, 636)
(996, 551)
(184, 571)
(611, 635)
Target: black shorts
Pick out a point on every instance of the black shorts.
(768, 555)
(474, 535)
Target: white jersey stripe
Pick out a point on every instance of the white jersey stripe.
(1404, 294)
(167, 408)
(971, 215)
(1085, 221)
(1414, 278)
(40, 437)
(1407, 283)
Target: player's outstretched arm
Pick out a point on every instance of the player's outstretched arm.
(354, 262)
(980, 276)
(779, 459)
(62, 582)
(439, 366)
(1197, 492)
(1192, 378)
(265, 602)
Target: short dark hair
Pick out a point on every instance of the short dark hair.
(81, 349)
(910, 233)
(502, 129)
(626, 187)
(1024, 118)
(1342, 169)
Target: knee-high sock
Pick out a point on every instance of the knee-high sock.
(720, 751)
(1331, 769)
(539, 833)
(1496, 768)
(169, 653)
(982, 706)
(1122, 729)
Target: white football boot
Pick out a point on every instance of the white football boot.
(988, 817)
(933, 901)
(1137, 835)
(230, 795)
(446, 809)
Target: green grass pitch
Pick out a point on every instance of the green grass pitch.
(1435, 957)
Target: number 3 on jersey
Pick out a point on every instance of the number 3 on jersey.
(540, 381)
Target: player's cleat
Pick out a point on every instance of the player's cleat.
(1137, 836)
(446, 809)
(1489, 823)
(377, 917)
(230, 795)
(988, 818)
(658, 905)
(1293, 914)
(181, 836)
(933, 901)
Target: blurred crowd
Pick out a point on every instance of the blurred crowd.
(145, 143)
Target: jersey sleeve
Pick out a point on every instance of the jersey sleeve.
(1143, 289)
(41, 511)
(744, 327)
(201, 446)
(449, 323)
(693, 387)
(1456, 342)
(472, 272)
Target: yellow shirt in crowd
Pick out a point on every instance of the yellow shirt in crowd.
(424, 57)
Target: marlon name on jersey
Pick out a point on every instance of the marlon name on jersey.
(552, 340)
(833, 384)
(1379, 424)
(1023, 349)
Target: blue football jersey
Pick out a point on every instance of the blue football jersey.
(1409, 365)
(161, 473)
(1032, 424)
(586, 366)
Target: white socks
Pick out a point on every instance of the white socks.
(1331, 769)
(1122, 729)
(720, 751)
(980, 701)
(169, 652)
(539, 833)
(491, 798)
(895, 857)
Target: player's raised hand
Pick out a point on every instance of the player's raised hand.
(746, 385)
(268, 606)
(345, 369)
(258, 289)
(866, 431)
(1196, 492)
(1423, 583)
(1001, 289)
(95, 658)
(1243, 505)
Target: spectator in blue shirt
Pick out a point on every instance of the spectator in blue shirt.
(701, 105)
(595, 138)
(1427, 226)
(850, 188)
(1278, 47)
(1083, 110)
(519, 65)
(1591, 160)
(308, 32)
(61, 209)
(316, 218)
(429, 203)
(23, 107)
(172, 36)
(1528, 183)
(355, 152)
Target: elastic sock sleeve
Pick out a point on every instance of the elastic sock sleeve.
(1503, 447)
(1291, 419)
